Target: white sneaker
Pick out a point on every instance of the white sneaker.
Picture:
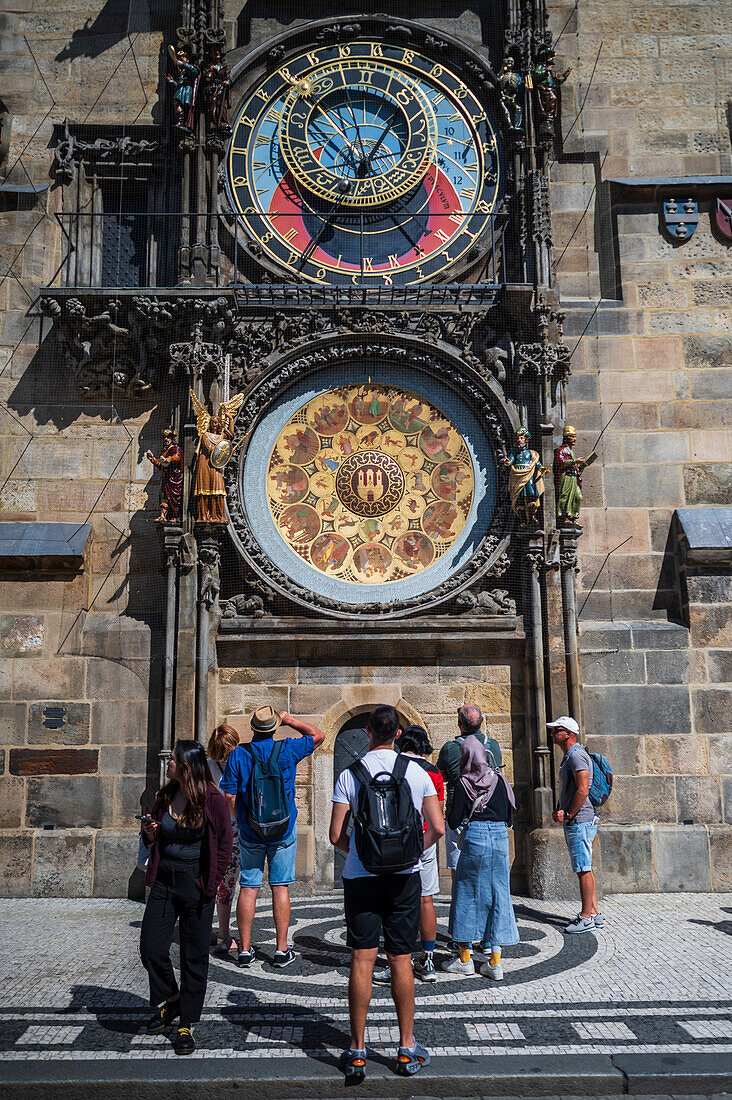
(495, 972)
(580, 924)
(382, 976)
(454, 966)
(599, 920)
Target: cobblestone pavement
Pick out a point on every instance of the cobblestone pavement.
(655, 980)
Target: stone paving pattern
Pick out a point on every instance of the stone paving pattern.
(654, 980)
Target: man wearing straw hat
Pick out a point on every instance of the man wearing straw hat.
(253, 851)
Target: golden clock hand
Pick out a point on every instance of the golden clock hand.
(316, 240)
(303, 88)
(351, 147)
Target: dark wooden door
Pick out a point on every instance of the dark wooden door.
(350, 745)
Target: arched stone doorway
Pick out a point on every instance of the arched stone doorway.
(351, 743)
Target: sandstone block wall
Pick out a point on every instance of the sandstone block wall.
(88, 646)
(646, 97)
(650, 322)
(79, 669)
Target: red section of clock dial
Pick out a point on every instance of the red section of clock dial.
(285, 209)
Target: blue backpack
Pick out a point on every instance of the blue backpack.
(602, 779)
(267, 805)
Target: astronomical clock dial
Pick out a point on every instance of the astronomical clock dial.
(360, 513)
(365, 164)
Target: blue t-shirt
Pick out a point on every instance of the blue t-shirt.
(239, 768)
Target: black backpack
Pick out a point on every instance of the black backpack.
(387, 825)
(267, 805)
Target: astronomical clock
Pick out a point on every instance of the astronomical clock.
(364, 163)
(368, 165)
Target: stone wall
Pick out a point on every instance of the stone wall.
(650, 322)
(329, 693)
(80, 654)
(652, 103)
(79, 671)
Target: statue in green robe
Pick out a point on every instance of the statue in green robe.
(568, 478)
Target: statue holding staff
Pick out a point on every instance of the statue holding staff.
(170, 463)
(568, 478)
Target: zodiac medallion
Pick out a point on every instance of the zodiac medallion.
(370, 484)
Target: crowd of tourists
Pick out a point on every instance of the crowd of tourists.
(227, 810)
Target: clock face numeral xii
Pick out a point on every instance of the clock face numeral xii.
(364, 163)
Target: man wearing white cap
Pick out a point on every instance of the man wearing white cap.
(577, 814)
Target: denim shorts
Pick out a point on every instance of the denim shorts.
(280, 856)
(579, 839)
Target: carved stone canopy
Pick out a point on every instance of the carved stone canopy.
(134, 150)
(127, 342)
(439, 361)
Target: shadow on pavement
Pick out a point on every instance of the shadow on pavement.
(724, 926)
(97, 1000)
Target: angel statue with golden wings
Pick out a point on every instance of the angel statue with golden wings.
(213, 452)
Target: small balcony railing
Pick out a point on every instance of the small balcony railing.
(118, 251)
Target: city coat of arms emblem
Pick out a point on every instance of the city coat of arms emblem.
(722, 218)
(680, 217)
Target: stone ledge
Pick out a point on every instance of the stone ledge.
(632, 859)
(275, 1078)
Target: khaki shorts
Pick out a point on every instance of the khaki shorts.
(429, 872)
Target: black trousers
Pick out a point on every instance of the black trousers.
(175, 896)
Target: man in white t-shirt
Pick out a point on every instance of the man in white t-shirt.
(382, 902)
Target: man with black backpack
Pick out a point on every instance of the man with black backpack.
(259, 784)
(388, 796)
(585, 781)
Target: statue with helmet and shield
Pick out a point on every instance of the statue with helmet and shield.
(214, 451)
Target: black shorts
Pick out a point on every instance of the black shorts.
(391, 902)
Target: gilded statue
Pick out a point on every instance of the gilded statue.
(568, 478)
(170, 464)
(214, 450)
(525, 479)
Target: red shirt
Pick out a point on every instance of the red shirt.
(435, 775)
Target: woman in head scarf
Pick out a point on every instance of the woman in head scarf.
(481, 907)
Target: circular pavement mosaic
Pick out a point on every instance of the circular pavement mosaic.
(369, 483)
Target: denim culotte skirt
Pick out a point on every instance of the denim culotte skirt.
(481, 898)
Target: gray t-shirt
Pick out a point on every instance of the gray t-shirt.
(576, 760)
